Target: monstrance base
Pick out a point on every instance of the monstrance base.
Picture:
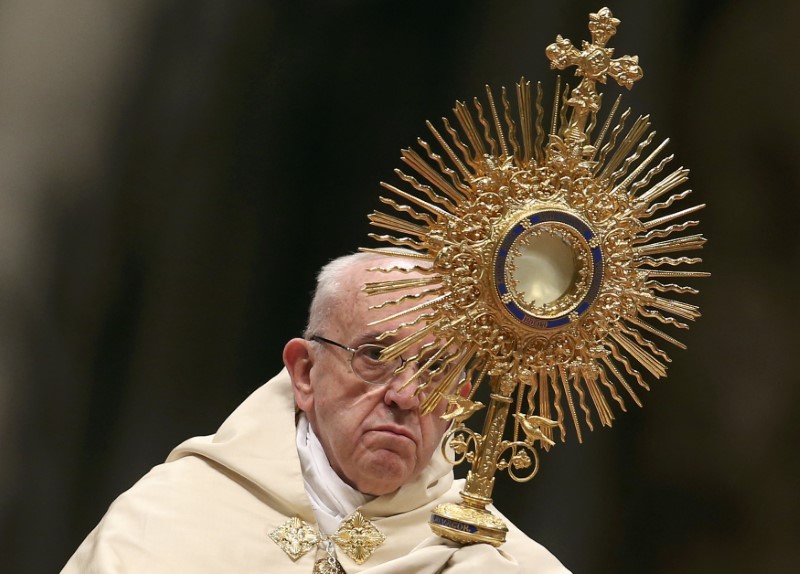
(465, 524)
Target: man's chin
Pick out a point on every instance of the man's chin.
(385, 472)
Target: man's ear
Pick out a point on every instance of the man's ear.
(298, 361)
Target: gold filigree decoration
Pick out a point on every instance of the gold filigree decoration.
(484, 217)
(295, 537)
(357, 537)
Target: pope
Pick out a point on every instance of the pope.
(328, 467)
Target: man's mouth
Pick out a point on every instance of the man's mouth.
(396, 430)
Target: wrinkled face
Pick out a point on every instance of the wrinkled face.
(373, 435)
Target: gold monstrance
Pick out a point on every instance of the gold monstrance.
(547, 255)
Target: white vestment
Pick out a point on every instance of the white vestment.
(210, 507)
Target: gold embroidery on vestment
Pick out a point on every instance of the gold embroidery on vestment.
(357, 537)
(295, 537)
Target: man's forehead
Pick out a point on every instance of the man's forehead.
(355, 310)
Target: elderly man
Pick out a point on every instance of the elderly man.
(329, 467)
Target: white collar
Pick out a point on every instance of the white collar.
(332, 499)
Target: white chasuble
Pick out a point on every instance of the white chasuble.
(210, 509)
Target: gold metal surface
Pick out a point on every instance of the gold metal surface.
(295, 537)
(357, 537)
(544, 250)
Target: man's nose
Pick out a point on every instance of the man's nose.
(402, 390)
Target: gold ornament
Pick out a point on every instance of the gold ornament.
(357, 537)
(295, 537)
(546, 255)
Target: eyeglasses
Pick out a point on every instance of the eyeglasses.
(365, 361)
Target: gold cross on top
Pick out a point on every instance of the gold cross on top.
(594, 61)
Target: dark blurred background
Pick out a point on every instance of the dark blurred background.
(173, 173)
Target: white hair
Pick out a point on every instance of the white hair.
(333, 278)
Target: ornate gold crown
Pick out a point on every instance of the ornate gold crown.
(545, 259)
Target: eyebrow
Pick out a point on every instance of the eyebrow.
(372, 338)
